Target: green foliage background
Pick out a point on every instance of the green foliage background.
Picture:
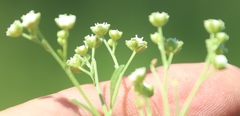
(27, 71)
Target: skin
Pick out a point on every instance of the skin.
(219, 95)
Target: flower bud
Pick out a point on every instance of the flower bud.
(100, 29)
(136, 44)
(213, 25)
(92, 41)
(172, 45)
(220, 62)
(138, 75)
(158, 19)
(63, 34)
(81, 50)
(222, 37)
(61, 41)
(112, 42)
(115, 34)
(65, 21)
(15, 29)
(156, 38)
(31, 20)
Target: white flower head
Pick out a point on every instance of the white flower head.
(15, 29)
(136, 44)
(158, 19)
(31, 19)
(65, 21)
(115, 34)
(92, 41)
(100, 29)
(213, 25)
(81, 50)
(75, 61)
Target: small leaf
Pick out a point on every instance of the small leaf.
(114, 79)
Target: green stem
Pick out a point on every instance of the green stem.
(193, 92)
(163, 57)
(117, 86)
(98, 88)
(163, 93)
(112, 53)
(148, 107)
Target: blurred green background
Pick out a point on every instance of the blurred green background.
(27, 71)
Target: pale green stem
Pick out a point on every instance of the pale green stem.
(164, 58)
(65, 46)
(112, 53)
(98, 88)
(193, 92)
(117, 86)
(68, 72)
(163, 93)
(148, 107)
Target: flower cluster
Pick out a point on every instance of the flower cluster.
(216, 43)
(30, 21)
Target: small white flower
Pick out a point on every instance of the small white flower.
(220, 62)
(15, 29)
(136, 44)
(31, 19)
(65, 21)
(81, 50)
(213, 25)
(115, 34)
(75, 61)
(158, 19)
(100, 29)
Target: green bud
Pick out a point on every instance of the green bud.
(136, 44)
(220, 62)
(158, 19)
(15, 29)
(222, 37)
(92, 41)
(61, 41)
(100, 29)
(156, 38)
(213, 25)
(138, 75)
(81, 50)
(63, 34)
(115, 34)
(172, 45)
(112, 42)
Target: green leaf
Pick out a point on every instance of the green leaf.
(113, 82)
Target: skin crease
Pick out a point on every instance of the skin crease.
(219, 95)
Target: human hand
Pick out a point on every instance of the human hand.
(219, 95)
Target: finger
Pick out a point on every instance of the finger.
(217, 96)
